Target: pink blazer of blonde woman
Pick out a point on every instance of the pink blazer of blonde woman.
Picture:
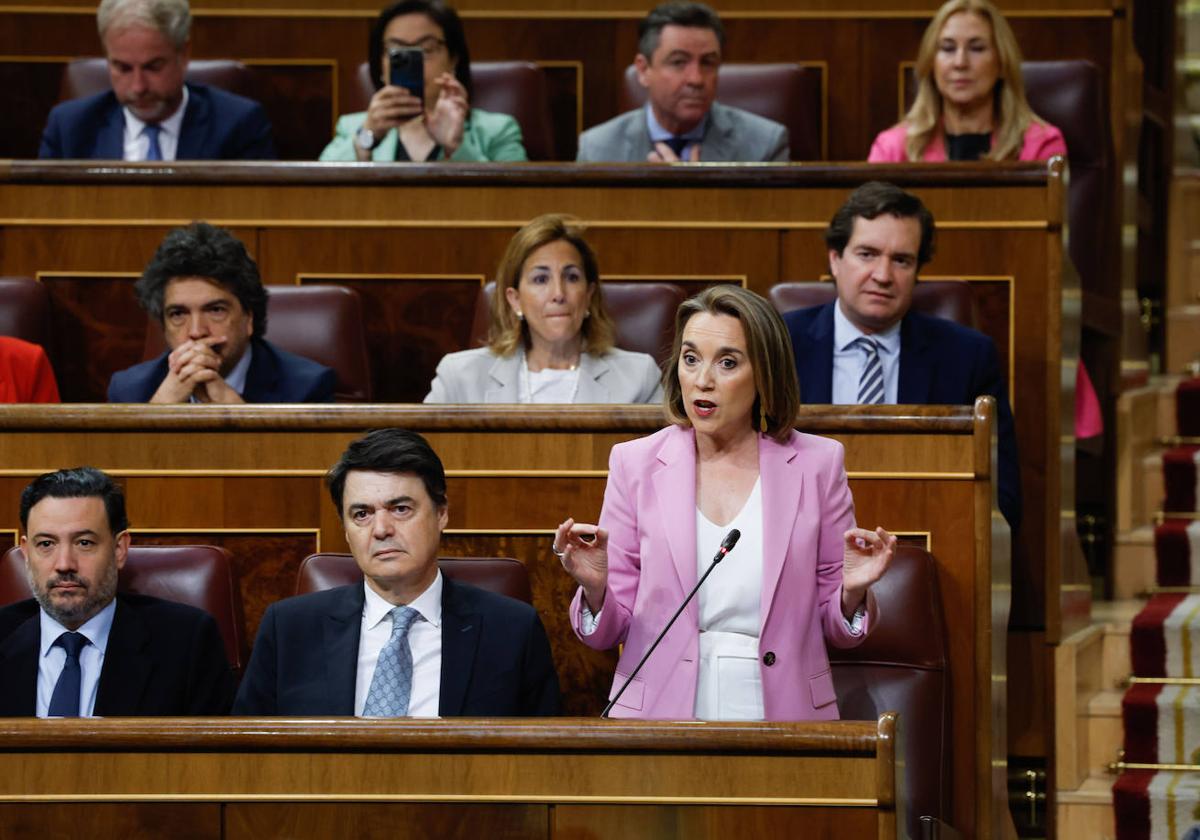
(1042, 141)
(650, 514)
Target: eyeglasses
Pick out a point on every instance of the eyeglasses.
(429, 45)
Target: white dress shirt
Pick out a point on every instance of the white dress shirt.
(424, 640)
(137, 143)
(52, 658)
(848, 362)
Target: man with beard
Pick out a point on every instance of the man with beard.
(151, 114)
(204, 290)
(79, 648)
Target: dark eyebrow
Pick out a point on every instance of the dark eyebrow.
(721, 351)
(398, 500)
(86, 532)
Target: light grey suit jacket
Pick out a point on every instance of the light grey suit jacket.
(732, 135)
(480, 376)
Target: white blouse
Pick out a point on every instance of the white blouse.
(730, 610)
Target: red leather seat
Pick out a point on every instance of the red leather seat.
(902, 667)
(950, 299)
(792, 94)
(87, 76)
(322, 323)
(643, 312)
(495, 574)
(516, 88)
(24, 309)
(198, 575)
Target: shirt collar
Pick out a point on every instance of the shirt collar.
(171, 125)
(428, 604)
(844, 333)
(96, 628)
(658, 133)
(237, 377)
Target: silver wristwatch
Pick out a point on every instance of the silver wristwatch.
(365, 139)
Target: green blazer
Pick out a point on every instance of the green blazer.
(487, 136)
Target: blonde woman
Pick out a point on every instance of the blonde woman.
(551, 337)
(970, 102)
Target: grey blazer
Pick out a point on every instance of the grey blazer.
(480, 376)
(732, 135)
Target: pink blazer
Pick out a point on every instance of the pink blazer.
(1042, 141)
(650, 513)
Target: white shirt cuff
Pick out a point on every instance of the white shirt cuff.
(587, 621)
(854, 623)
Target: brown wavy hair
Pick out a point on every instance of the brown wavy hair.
(507, 331)
(768, 346)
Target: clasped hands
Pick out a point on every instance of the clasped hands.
(194, 369)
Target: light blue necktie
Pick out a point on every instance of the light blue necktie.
(391, 686)
(64, 702)
(152, 131)
(870, 384)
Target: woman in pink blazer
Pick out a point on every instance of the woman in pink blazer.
(970, 102)
(752, 644)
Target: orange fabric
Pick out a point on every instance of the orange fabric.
(25, 373)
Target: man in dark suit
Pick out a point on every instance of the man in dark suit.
(205, 290)
(679, 56)
(406, 641)
(868, 346)
(80, 648)
(150, 113)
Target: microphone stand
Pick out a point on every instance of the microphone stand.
(720, 556)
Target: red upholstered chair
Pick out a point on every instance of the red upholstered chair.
(516, 88)
(950, 299)
(24, 309)
(495, 574)
(901, 667)
(198, 575)
(644, 314)
(792, 94)
(322, 323)
(87, 76)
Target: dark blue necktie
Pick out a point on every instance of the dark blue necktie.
(65, 700)
(151, 131)
(677, 144)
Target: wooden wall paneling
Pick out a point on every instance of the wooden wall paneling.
(112, 820)
(664, 822)
(411, 322)
(29, 87)
(9, 538)
(300, 97)
(385, 821)
(564, 83)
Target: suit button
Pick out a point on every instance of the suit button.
(769, 658)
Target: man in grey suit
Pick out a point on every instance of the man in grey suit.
(679, 55)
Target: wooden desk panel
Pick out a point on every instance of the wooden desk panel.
(454, 777)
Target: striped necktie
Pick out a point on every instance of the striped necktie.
(870, 384)
(391, 685)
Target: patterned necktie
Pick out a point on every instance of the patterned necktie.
(151, 131)
(676, 144)
(870, 384)
(65, 700)
(391, 686)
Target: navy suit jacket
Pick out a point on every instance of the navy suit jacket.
(495, 656)
(941, 363)
(162, 658)
(275, 376)
(216, 126)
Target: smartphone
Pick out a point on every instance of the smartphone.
(407, 70)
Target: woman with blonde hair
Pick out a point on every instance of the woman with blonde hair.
(970, 102)
(551, 337)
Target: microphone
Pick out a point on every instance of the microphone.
(727, 545)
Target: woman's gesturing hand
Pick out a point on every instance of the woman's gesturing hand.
(583, 550)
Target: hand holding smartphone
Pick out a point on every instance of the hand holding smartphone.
(406, 69)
